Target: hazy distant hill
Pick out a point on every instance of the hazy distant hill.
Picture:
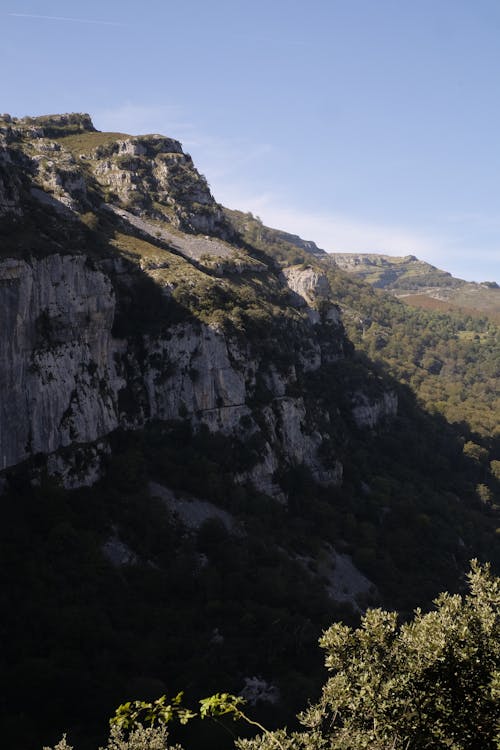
(421, 284)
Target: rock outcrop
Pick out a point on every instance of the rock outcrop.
(313, 287)
(369, 412)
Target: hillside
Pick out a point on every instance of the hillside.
(422, 285)
(215, 442)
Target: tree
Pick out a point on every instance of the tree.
(476, 452)
(495, 469)
(432, 683)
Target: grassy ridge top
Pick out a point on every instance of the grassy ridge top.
(84, 143)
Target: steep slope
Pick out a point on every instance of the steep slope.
(120, 317)
(200, 470)
(449, 355)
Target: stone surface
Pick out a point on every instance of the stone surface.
(193, 512)
(56, 355)
(152, 177)
(313, 288)
(369, 412)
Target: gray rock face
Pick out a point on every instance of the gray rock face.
(191, 511)
(55, 351)
(368, 413)
(64, 183)
(151, 176)
(314, 288)
(64, 376)
(61, 370)
(287, 420)
(308, 283)
(74, 122)
(202, 378)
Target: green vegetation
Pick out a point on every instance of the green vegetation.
(246, 304)
(160, 711)
(449, 359)
(182, 609)
(276, 244)
(86, 142)
(432, 682)
(85, 634)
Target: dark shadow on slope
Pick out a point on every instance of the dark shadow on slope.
(200, 611)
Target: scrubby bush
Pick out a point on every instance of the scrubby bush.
(433, 682)
(140, 738)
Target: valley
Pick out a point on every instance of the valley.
(216, 438)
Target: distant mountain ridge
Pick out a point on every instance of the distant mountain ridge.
(421, 284)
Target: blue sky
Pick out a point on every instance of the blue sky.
(365, 125)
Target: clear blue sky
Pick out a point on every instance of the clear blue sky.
(365, 125)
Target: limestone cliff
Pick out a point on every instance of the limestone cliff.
(127, 296)
(67, 380)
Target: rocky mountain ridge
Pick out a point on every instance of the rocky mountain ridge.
(72, 377)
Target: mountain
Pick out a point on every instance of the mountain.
(420, 284)
(449, 357)
(121, 309)
(214, 441)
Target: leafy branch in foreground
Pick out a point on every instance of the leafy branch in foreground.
(155, 713)
(134, 714)
(222, 704)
